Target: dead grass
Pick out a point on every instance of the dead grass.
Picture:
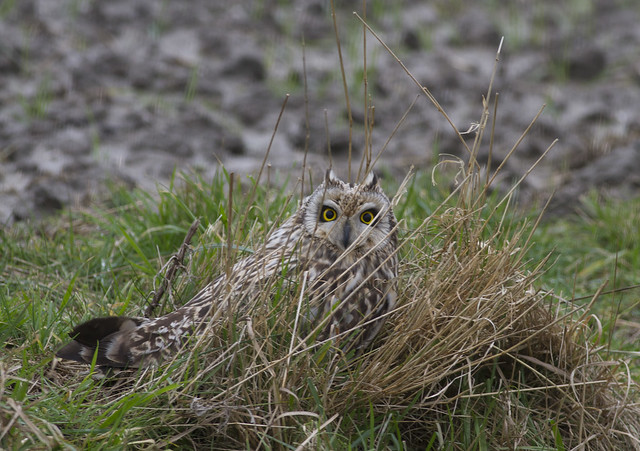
(473, 337)
(475, 355)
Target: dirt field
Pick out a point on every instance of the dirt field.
(130, 89)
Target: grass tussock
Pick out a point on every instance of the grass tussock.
(474, 354)
(477, 354)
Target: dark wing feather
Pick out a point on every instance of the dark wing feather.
(96, 333)
(96, 329)
(131, 342)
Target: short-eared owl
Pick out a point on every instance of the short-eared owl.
(341, 241)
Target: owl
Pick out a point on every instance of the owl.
(342, 241)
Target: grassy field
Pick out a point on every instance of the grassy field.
(511, 333)
(546, 374)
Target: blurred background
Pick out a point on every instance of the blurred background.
(127, 90)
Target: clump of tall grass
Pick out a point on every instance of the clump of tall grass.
(476, 352)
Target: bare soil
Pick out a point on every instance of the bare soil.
(93, 91)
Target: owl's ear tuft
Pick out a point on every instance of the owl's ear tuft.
(370, 181)
(331, 178)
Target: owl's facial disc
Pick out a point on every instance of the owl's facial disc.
(344, 227)
(347, 215)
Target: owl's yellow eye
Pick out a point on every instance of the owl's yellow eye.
(328, 214)
(367, 216)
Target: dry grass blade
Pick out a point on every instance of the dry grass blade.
(176, 261)
(424, 89)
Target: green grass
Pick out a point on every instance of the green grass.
(598, 247)
(107, 260)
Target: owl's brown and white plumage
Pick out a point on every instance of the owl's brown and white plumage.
(342, 240)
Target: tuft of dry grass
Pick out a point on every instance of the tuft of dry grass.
(472, 338)
(475, 353)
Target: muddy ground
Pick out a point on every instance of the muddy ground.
(129, 89)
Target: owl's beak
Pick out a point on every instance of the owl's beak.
(346, 235)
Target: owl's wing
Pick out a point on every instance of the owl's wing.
(133, 342)
(119, 342)
(98, 333)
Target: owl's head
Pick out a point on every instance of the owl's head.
(349, 216)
